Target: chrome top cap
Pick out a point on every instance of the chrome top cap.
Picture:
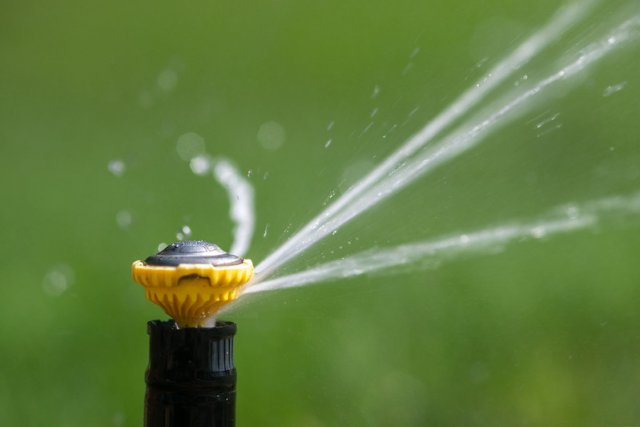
(193, 252)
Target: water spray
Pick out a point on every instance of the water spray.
(342, 209)
(191, 377)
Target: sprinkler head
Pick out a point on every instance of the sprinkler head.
(192, 280)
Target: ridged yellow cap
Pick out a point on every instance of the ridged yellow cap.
(192, 280)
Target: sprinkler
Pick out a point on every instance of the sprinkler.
(192, 280)
(191, 378)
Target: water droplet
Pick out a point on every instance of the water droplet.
(464, 239)
(366, 129)
(249, 173)
(180, 236)
(200, 165)
(162, 246)
(610, 90)
(116, 167)
(271, 135)
(57, 280)
(414, 53)
(374, 112)
(547, 120)
(521, 80)
(124, 219)
(376, 91)
(334, 232)
(185, 231)
(190, 145)
(265, 176)
(118, 419)
(391, 129)
(611, 40)
(266, 231)
(330, 125)
(167, 80)
(328, 143)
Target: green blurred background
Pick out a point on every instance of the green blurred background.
(542, 333)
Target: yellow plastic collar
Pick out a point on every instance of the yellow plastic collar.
(192, 293)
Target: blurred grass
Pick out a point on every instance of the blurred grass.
(543, 333)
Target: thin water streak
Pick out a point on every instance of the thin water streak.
(487, 121)
(560, 220)
(319, 227)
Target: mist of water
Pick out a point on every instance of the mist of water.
(415, 158)
(560, 220)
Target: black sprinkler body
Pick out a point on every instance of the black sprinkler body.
(191, 377)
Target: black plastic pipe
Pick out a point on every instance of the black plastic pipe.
(191, 379)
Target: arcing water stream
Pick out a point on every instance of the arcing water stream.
(427, 150)
(240, 194)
